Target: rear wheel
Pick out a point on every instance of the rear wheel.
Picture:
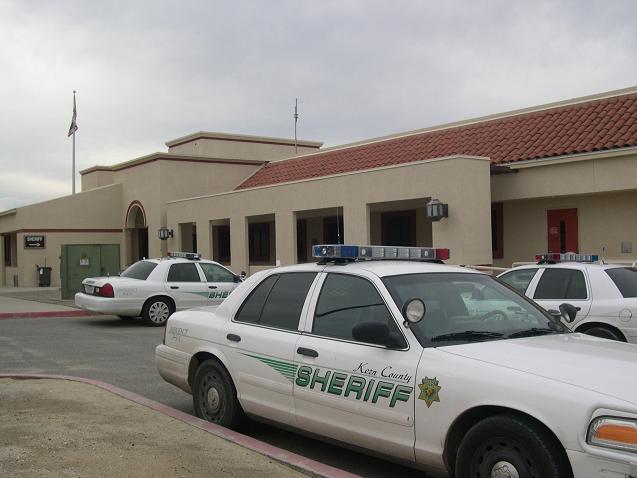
(156, 311)
(214, 396)
(605, 333)
(507, 445)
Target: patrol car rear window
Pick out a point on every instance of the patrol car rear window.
(140, 270)
(625, 278)
(277, 301)
(561, 284)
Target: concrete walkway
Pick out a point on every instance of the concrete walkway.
(31, 302)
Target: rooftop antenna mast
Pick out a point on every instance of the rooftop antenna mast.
(296, 118)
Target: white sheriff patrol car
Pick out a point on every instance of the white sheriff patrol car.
(155, 288)
(605, 294)
(388, 357)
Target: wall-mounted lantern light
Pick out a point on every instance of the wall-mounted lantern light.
(436, 210)
(164, 233)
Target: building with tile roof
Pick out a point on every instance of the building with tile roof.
(556, 177)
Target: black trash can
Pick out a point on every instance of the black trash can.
(44, 276)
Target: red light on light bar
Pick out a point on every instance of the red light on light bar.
(442, 254)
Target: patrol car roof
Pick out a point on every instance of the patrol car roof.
(570, 265)
(381, 268)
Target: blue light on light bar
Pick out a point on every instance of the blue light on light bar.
(343, 251)
(568, 257)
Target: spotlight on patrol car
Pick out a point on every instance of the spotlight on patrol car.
(414, 310)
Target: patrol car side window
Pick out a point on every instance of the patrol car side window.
(519, 280)
(346, 301)
(277, 301)
(183, 273)
(215, 273)
(561, 284)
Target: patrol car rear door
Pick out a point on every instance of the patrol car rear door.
(558, 285)
(184, 283)
(360, 393)
(261, 341)
(219, 280)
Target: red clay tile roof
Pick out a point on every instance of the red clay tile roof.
(579, 128)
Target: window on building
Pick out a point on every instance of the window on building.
(277, 301)
(183, 273)
(301, 240)
(7, 249)
(561, 284)
(346, 301)
(259, 242)
(398, 228)
(222, 243)
(10, 249)
(215, 273)
(333, 230)
(497, 230)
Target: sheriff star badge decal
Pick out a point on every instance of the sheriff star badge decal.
(429, 389)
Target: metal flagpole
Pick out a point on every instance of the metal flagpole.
(296, 117)
(72, 130)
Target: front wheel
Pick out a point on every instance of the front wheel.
(605, 333)
(214, 396)
(507, 445)
(156, 311)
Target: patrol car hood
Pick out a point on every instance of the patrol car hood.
(600, 365)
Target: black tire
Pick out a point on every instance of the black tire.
(156, 311)
(605, 333)
(214, 396)
(503, 441)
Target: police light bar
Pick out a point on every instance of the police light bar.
(185, 255)
(568, 257)
(351, 252)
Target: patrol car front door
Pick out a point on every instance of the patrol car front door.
(184, 284)
(219, 280)
(356, 392)
(261, 341)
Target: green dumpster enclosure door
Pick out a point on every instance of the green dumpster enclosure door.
(80, 261)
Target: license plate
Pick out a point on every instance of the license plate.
(89, 289)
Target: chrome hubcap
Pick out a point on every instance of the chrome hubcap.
(213, 399)
(158, 312)
(504, 469)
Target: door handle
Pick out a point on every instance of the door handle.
(307, 352)
(174, 287)
(212, 287)
(233, 338)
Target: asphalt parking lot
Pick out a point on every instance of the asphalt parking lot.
(122, 353)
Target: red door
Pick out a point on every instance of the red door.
(562, 230)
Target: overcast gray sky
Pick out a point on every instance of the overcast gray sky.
(150, 71)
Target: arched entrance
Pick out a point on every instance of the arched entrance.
(136, 232)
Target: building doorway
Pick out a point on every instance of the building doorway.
(562, 230)
(136, 233)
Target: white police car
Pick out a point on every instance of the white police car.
(605, 294)
(155, 288)
(388, 357)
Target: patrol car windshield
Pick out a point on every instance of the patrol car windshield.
(140, 270)
(463, 308)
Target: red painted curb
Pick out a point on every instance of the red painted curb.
(299, 462)
(51, 314)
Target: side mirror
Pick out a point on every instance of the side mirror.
(372, 333)
(568, 312)
(242, 275)
(414, 310)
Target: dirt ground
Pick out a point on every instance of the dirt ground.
(57, 428)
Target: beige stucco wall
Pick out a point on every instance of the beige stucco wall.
(605, 220)
(96, 179)
(66, 220)
(554, 178)
(462, 182)
(219, 148)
